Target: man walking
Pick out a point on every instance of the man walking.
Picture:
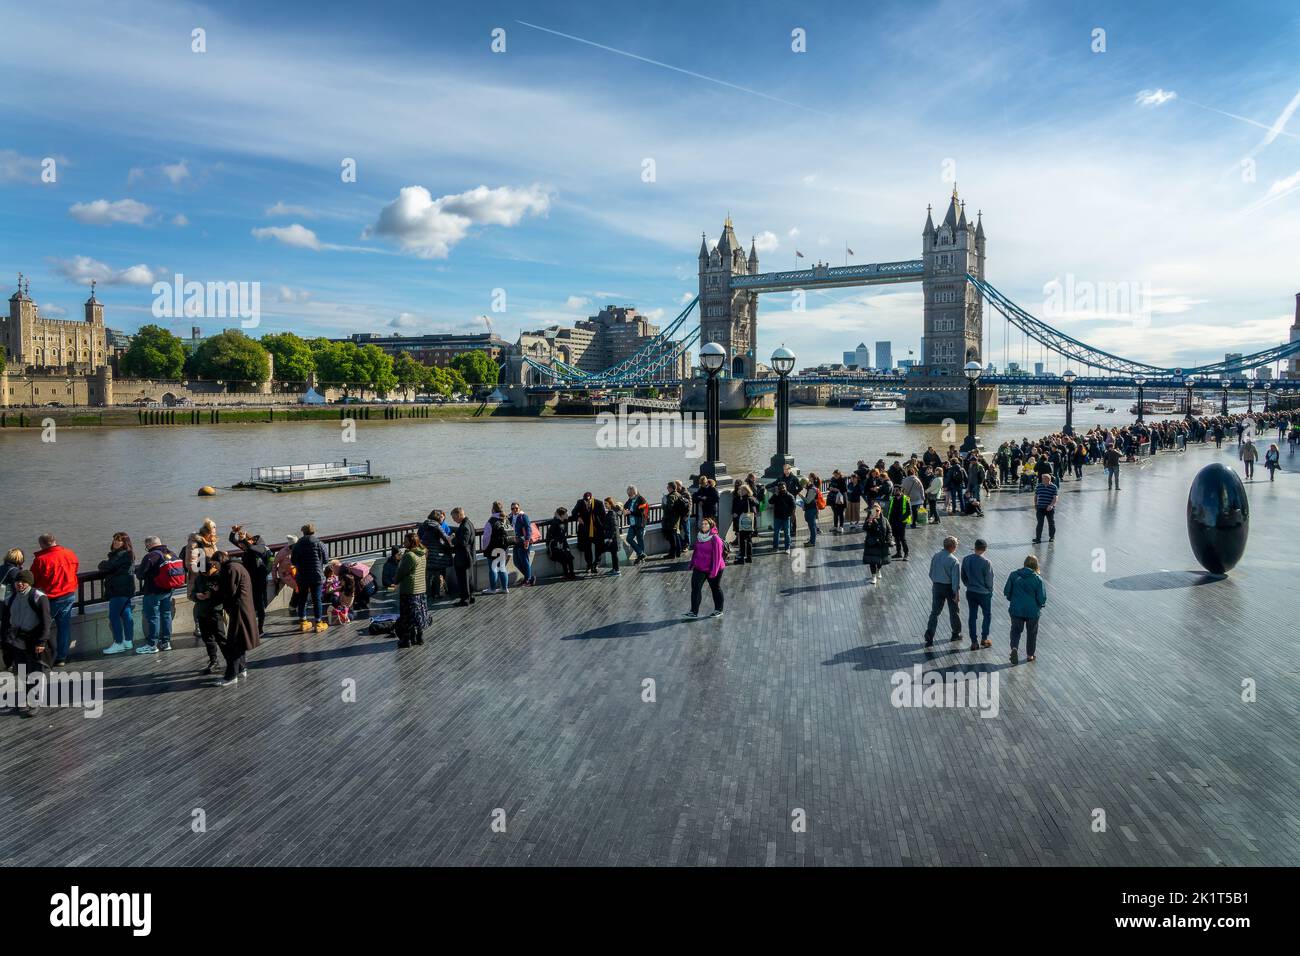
(945, 588)
(25, 625)
(977, 575)
(1249, 455)
(54, 570)
(1045, 496)
(782, 512)
(1111, 461)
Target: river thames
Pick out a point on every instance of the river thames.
(92, 482)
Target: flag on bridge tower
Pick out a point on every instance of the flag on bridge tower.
(849, 251)
(798, 254)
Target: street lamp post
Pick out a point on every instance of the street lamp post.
(973, 372)
(1141, 380)
(1250, 397)
(783, 361)
(1225, 384)
(1267, 386)
(712, 357)
(1188, 408)
(1068, 377)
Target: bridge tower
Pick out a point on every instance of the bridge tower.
(729, 316)
(954, 311)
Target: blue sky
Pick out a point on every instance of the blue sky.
(1164, 165)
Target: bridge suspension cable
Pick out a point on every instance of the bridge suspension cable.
(1071, 348)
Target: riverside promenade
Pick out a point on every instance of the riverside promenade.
(771, 738)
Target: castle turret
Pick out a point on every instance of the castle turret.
(753, 256)
(94, 308)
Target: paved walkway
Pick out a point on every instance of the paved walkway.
(779, 712)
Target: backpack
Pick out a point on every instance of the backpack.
(821, 500)
(170, 574)
(383, 624)
(681, 507)
(534, 533)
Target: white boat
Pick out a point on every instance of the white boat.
(874, 405)
(1099, 407)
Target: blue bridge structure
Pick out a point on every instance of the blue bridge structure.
(956, 293)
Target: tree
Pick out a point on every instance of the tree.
(336, 363)
(409, 373)
(376, 367)
(294, 361)
(154, 353)
(476, 367)
(233, 357)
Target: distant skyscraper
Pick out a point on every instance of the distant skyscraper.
(1038, 368)
(850, 359)
(1294, 363)
(862, 356)
(1232, 363)
(884, 355)
(1264, 374)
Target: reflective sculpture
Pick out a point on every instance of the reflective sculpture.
(1218, 518)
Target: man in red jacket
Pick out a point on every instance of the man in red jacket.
(55, 571)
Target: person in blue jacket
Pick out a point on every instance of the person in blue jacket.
(1028, 595)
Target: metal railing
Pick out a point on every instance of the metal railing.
(349, 545)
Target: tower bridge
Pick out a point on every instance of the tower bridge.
(951, 272)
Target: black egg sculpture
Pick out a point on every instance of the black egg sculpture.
(1218, 518)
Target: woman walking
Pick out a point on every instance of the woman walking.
(837, 495)
(744, 518)
(707, 564)
(875, 546)
(900, 516)
(235, 586)
(1025, 590)
(412, 609)
(1272, 460)
(119, 588)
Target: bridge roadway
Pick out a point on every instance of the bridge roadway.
(532, 703)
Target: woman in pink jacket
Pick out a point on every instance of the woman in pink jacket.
(706, 565)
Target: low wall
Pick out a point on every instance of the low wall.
(91, 632)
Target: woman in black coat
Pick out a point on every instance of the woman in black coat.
(610, 538)
(875, 546)
(236, 590)
(557, 543)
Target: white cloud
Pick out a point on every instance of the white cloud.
(809, 179)
(51, 311)
(1155, 97)
(83, 269)
(172, 172)
(576, 302)
(654, 315)
(180, 219)
(766, 241)
(295, 235)
(686, 297)
(16, 168)
(101, 212)
(794, 232)
(286, 209)
(430, 227)
(405, 320)
(287, 294)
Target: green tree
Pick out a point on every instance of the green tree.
(294, 361)
(233, 357)
(376, 367)
(476, 367)
(409, 373)
(154, 353)
(336, 363)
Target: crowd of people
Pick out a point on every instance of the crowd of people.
(229, 591)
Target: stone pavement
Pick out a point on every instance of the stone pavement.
(771, 738)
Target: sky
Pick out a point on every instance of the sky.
(1140, 186)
